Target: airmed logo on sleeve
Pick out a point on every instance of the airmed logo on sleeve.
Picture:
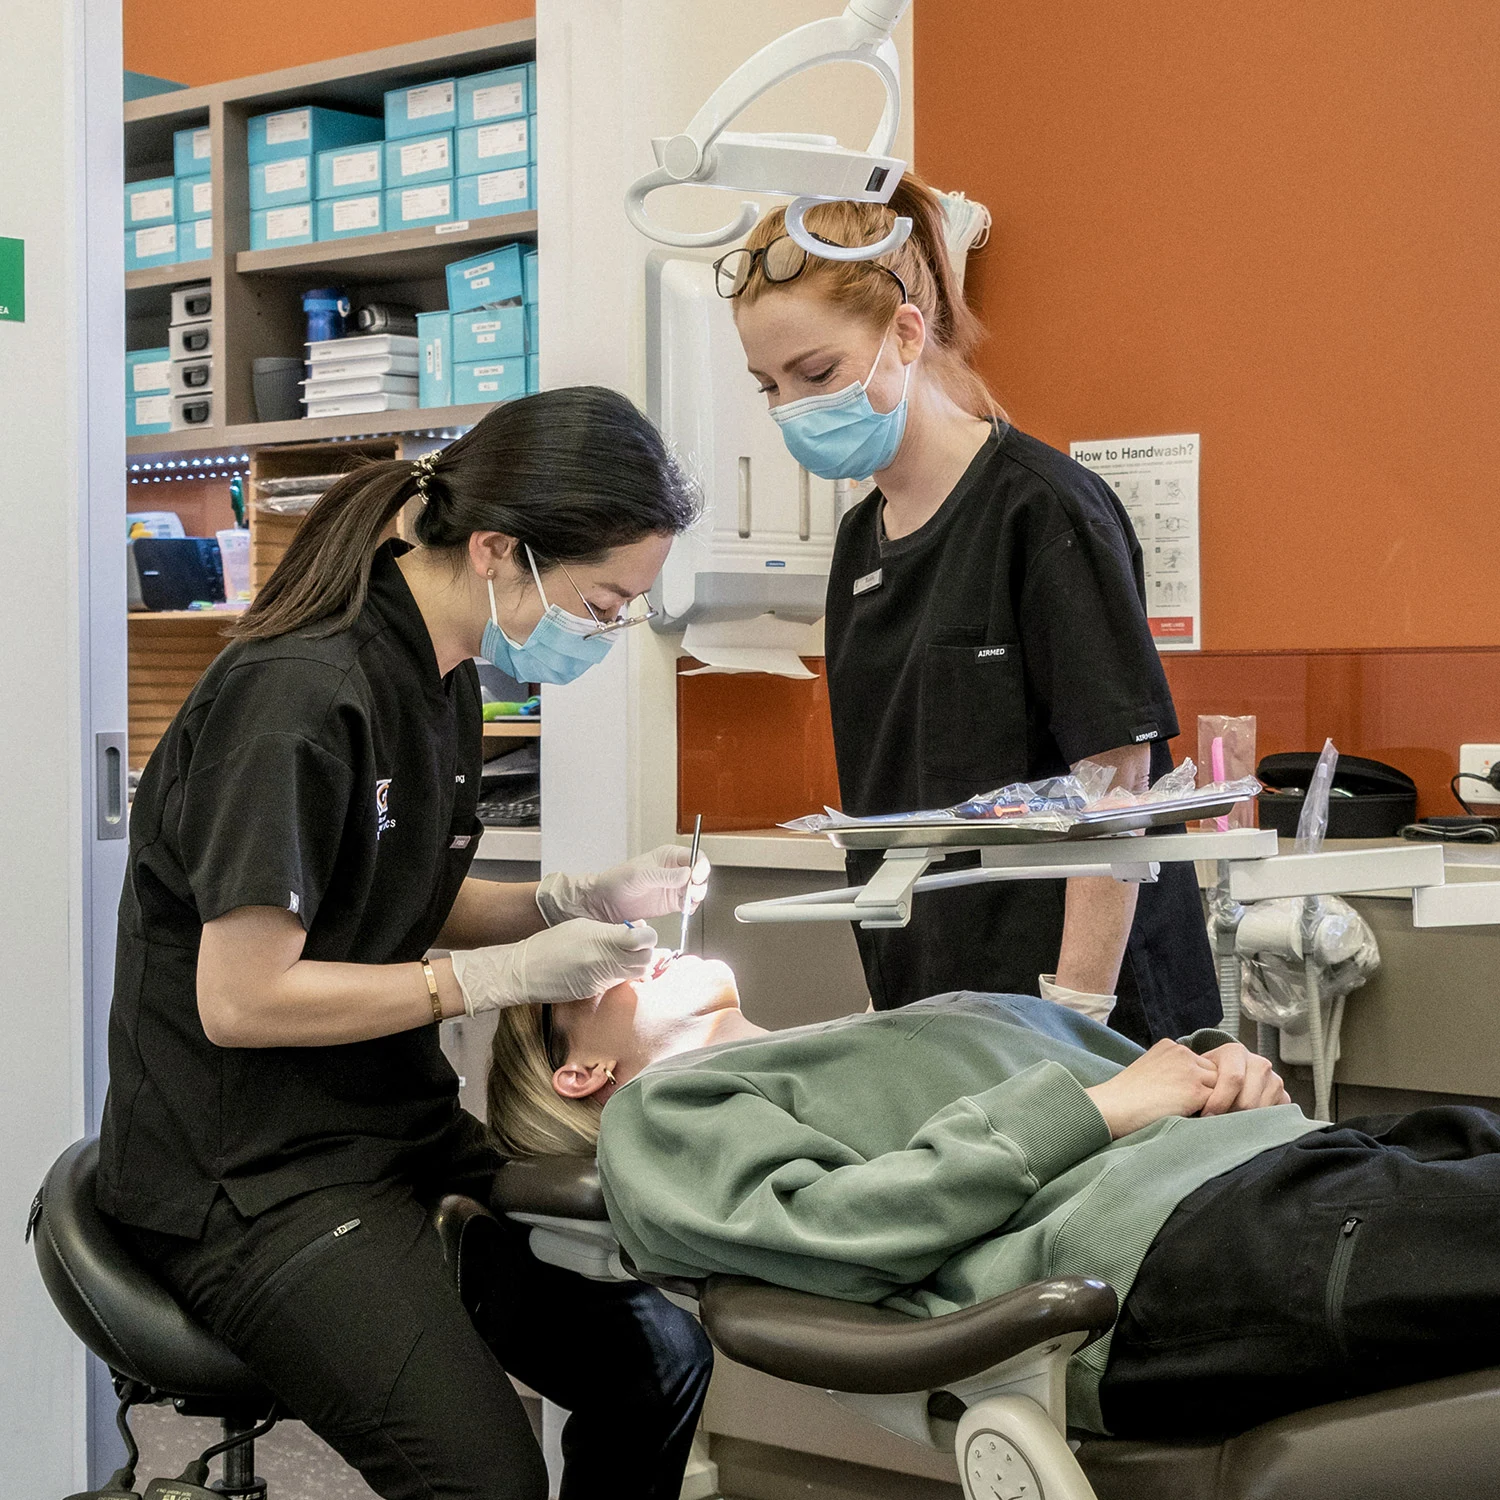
(383, 819)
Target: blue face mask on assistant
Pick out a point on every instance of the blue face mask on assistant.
(560, 648)
(840, 435)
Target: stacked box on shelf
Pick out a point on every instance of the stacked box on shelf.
(286, 151)
(191, 355)
(477, 351)
(192, 152)
(497, 142)
(148, 388)
(370, 373)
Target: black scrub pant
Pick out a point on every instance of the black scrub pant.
(341, 1303)
(1358, 1258)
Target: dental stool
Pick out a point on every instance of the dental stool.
(154, 1349)
(989, 1383)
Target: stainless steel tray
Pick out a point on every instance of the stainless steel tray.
(973, 833)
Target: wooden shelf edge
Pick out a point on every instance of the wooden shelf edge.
(367, 424)
(513, 729)
(346, 254)
(308, 76)
(197, 440)
(182, 273)
(215, 616)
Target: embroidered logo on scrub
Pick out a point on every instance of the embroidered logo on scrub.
(989, 653)
(383, 819)
(1146, 733)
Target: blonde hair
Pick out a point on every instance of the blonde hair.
(527, 1116)
(922, 263)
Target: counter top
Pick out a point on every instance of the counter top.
(523, 844)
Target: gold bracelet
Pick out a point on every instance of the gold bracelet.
(432, 990)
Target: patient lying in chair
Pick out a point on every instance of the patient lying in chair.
(936, 1156)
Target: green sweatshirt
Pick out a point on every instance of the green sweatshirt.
(927, 1159)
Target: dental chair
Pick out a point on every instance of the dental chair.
(988, 1382)
(155, 1351)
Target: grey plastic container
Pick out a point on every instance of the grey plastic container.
(277, 381)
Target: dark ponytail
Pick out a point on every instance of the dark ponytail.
(572, 473)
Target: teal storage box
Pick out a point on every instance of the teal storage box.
(489, 148)
(271, 228)
(533, 343)
(531, 137)
(489, 333)
(195, 198)
(484, 279)
(533, 374)
(192, 151)
(501, 95)
(153, 201)
(286, 180)
(147, 414)
(489, 380)
(148, 372)
(406, 207)
(156, 246)
(347, 172)
(421, 110)
(305, 132)
(423, 158)
(435, 373)
(530, 277)
(342, 218)
(492, 193)
(195, 239)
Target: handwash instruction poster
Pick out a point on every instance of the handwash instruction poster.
(1156, 479)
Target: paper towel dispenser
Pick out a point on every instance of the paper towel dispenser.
(765, 544)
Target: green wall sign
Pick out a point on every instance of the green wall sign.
(12, 281)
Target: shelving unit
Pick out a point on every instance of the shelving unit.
(257, 311)
(257, 293)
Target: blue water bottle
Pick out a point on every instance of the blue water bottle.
(326, 309)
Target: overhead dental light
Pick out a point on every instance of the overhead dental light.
(810, 169)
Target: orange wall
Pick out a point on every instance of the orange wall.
(192, 43)
(1271, 223)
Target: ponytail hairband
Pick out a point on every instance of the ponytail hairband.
(422, 468)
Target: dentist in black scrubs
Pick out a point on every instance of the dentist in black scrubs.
(986, 619)
(280, 1116)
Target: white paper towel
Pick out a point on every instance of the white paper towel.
(765, 644)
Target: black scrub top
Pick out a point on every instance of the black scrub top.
(1004, 641)
(335, 776)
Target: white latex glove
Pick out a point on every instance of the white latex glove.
(650, 885)
(1096, 1007)
(572, 961)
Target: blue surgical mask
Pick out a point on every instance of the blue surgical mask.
(840, 435)
(560, 647)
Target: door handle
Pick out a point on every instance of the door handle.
(110, 795)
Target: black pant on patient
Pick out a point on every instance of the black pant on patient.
(1360, 1257)
(363, 1336)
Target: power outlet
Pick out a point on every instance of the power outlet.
(1477, 760)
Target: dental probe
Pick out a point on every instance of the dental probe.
(692, 865)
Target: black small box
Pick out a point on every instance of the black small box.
(174, 572)
(1382, 799)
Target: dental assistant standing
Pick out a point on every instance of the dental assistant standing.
(280, 1116)
(986, 619)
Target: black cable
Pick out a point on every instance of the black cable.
(1458, 796)
(197, 1471)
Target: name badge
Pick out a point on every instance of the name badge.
(868, 582)
(460, 841)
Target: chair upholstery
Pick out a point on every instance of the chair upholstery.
(865, 1350)
(564, 1187)
(1431, 1441)
(116, 1307)
(110, 1299)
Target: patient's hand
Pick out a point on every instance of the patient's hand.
(1246, 1081)
(1170, 1079)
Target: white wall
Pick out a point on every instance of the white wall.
(612, 74)
(59, 121)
